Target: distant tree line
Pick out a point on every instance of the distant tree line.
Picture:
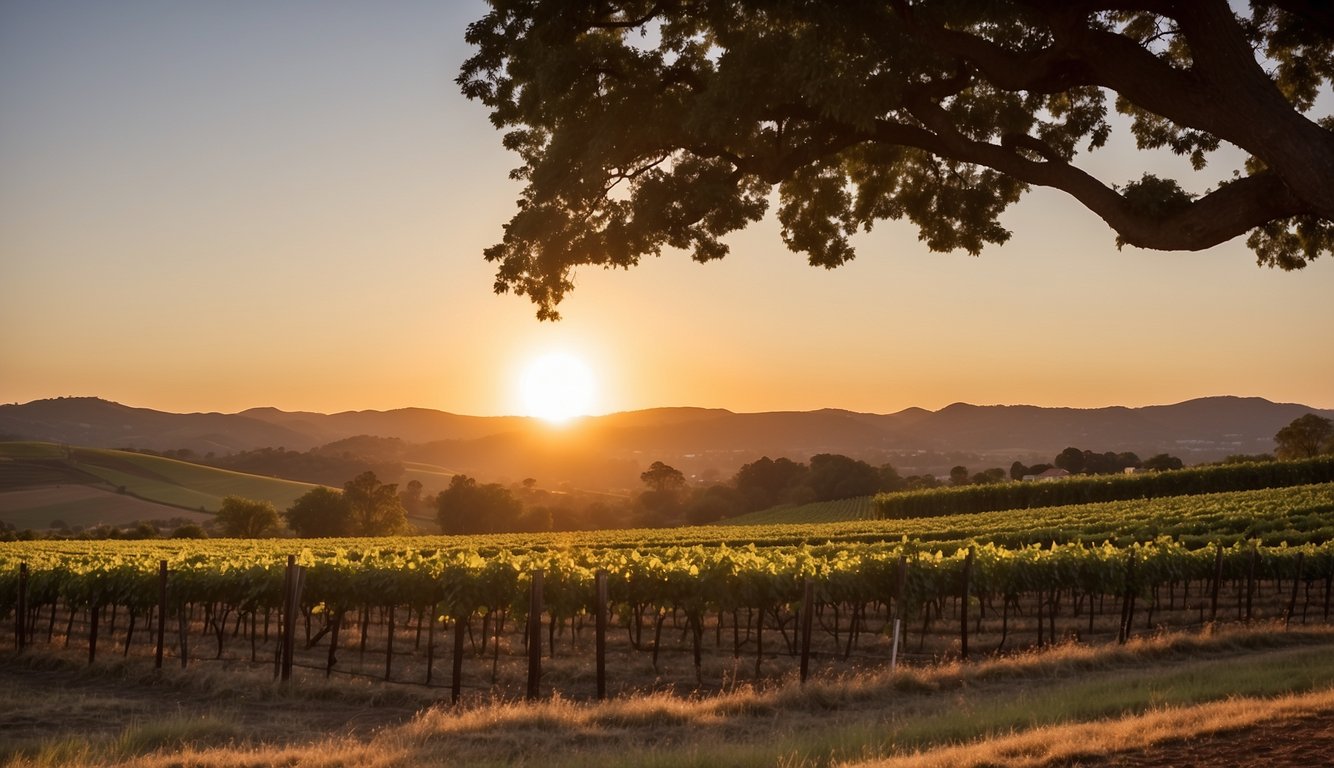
(366, 506)
(329, 464)
(1073, 460)
(173, 528)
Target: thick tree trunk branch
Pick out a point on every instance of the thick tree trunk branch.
(1225, 93)
(1232, 210)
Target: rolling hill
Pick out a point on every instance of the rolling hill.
(609, 451)
(44, 482)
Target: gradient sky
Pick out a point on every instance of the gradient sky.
(214, 206)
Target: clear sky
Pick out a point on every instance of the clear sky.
(209, 206)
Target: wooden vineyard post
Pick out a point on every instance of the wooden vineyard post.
(430, 644)
(1127, 602)
(807, 616)
(389, 646)
(93, 613)
(291, 599)
(534, 634)
(1218, 579)
(1292, 602)
(460, 635)
(759, 641)
(900, 589)
(161, 614)
(600, 604)
(280, 652)
(333, 645)
(182, 631)
(963, 605)
(1250, 582)
(21, 610)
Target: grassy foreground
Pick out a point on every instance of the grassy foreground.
(1052, 707)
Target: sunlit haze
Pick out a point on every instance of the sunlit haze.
(215, 206)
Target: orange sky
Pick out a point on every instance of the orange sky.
(213, 207)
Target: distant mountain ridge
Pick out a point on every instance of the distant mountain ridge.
(703, 441)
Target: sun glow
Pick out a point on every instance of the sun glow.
(557, 387)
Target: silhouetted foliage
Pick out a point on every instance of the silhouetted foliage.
(374, 507)
(324, 466)
(939, 112)
(712, 504)
(247, 518)
(890, 479)
(320, 512)
(1162, 462)
(469, 507)
(411, 497)
(834, 476)
(767, 482)
(1307, 436)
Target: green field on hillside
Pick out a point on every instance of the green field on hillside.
(151, 478)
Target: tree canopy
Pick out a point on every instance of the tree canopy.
(643, 125)
(320, 512)
(1306, 437)
(467, 506)
(247, 518)
(374, 506)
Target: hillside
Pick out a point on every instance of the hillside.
(43, 482)
(610, 451)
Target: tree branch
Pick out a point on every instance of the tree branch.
(1229, 211)
(628, 23)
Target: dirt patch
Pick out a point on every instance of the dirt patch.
(1303, 742)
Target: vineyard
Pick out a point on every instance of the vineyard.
(681, 609)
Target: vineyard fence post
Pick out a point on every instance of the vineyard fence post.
(534, 634)
(600, 604)
(389, 647)
(280, 652)
(1218, 580)
(338, 614)
(1127, 602)
(161, 614)
(1292, 601)
(21, 610)
(1250, 582)
(460, 635)
(93, 613)
(963, 605)
(807, 615)
(430, 644)
(894, 649)
(182, 631)
(291, 600)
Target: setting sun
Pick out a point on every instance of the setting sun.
(557, 387)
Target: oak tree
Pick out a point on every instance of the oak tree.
(467, 506)
(320, 512)
(375, 509)
(1306, 437)
(643, 125)
(247, 518)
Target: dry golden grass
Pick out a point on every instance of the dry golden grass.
(1060, 744)
(1014, 711)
